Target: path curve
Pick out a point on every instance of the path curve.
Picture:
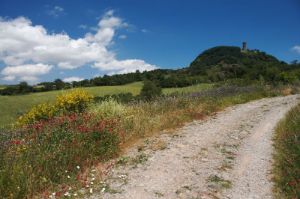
(225, 156)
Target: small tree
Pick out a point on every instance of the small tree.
(150, 90)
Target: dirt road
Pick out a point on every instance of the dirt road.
(225, 156)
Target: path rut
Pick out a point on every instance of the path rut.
(228, 155)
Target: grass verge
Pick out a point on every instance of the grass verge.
(287, 156)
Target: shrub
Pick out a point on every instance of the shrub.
(150, 90)
(74, 101)
(109, 108)
(38, 112)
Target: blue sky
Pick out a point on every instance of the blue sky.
(72, 40)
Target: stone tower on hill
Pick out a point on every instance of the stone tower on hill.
(244, 47)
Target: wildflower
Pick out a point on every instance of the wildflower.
(16, 142)
(68, 176)
(93, 179)
(75, 194)
(92, 183)
(67, 194)
(103, 189)
(91, 190)
(78, 167)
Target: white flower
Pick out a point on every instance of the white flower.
(92, 182)
(66, 171)
(67, 194)
(78, 167)
(92, 179)
(75, 194)
(53, 194)
(91, 190)
(68, 176)
(103, 189)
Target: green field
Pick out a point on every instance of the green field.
(188, 89)
(13, 106)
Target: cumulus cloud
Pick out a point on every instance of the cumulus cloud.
(56, 11)
(296, 49)
(124, 66)
(21, 43)
(27, 72)
(72, 79)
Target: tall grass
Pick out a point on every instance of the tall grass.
(287, 156)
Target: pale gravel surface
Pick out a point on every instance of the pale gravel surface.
(225, 156)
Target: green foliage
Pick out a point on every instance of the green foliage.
(150, 90)
(228, 62)
(287, 156)
(109, 108)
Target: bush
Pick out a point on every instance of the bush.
(150, 90)
(38, 112)
(73, 101)
(109, 108)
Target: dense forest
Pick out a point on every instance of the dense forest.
(213, 65)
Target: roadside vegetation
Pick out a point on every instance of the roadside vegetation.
(53, 145)
(287, 156)
(14, 106)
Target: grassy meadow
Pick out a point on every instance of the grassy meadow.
(13, 106)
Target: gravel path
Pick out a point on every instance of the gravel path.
(225, 156)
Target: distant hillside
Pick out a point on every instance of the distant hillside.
(213, 65)
(225, 62)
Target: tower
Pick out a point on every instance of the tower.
(244, 48)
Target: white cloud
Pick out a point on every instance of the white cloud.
(21, 43)
(124, 66)
(82, 26)
(28, 72)
(72, 79)
(296, 49)
(56, 11)
(122, 37)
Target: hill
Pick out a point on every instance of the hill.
(225, 62)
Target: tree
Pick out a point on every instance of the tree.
(59, 84)
(150, 90)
